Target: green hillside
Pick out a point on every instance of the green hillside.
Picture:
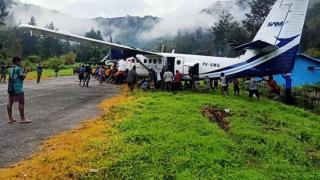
(165, 136)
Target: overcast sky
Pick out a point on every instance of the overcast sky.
(115, 8)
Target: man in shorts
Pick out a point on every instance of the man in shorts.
(17, 74)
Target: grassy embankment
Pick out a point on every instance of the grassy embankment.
(164, 136)
(49, 73)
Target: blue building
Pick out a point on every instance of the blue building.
(306, 71)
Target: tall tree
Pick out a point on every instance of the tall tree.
(310, 38)
(228, 31)
(259, 11)
(49, 46)
(94, 34)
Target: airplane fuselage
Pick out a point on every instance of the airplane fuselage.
(181, 62)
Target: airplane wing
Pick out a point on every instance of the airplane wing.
(117, 51)
(259, 46)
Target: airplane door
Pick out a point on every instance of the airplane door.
(179, 65)
(170, 64)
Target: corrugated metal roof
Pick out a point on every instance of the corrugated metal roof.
(309, 57)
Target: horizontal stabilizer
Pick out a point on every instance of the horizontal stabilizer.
(259, 46)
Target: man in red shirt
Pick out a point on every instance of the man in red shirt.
(178, 81)
(273, 86)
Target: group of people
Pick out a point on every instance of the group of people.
(173, 82)
(84, 74)
(253, 85)
(110, 74)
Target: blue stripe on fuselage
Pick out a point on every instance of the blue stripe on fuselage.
(283, 63)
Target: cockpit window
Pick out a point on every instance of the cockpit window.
(178, 62)
(150, 61)
(145, 61)
(160, 61)
(155, 61)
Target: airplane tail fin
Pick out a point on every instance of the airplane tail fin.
(278, 39)
(286, 20)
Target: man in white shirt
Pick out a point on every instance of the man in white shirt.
(168, 79)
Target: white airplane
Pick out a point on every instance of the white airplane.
(272, 51)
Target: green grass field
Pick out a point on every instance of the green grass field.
(164, 136)
(48, 73)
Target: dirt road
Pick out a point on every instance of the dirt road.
(54, 106)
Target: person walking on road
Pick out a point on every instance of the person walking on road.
(39, 72)
(3, 73)
(132, 78)
(87, 75)
(56, 71)
(15, 89)
(81, 74)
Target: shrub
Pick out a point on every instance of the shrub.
(53, 63)
(70, 58)
(34, 59)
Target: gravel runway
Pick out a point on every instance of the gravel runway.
(54, 106)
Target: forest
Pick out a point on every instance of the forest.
(217, 40)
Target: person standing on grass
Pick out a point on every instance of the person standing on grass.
(288, 87)
(273, 86)
(236, 87)
(153, 79)
(39, 72)
(3, 73)
(215, 83)
(132, 78)
(253, 86)
(224, 84)
(168, 79)
(178, 81)
(15, 89)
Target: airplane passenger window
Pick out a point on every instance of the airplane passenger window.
(145, 61)
(155, 61)
(218, 65)
(160, 61)
(178, 62)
